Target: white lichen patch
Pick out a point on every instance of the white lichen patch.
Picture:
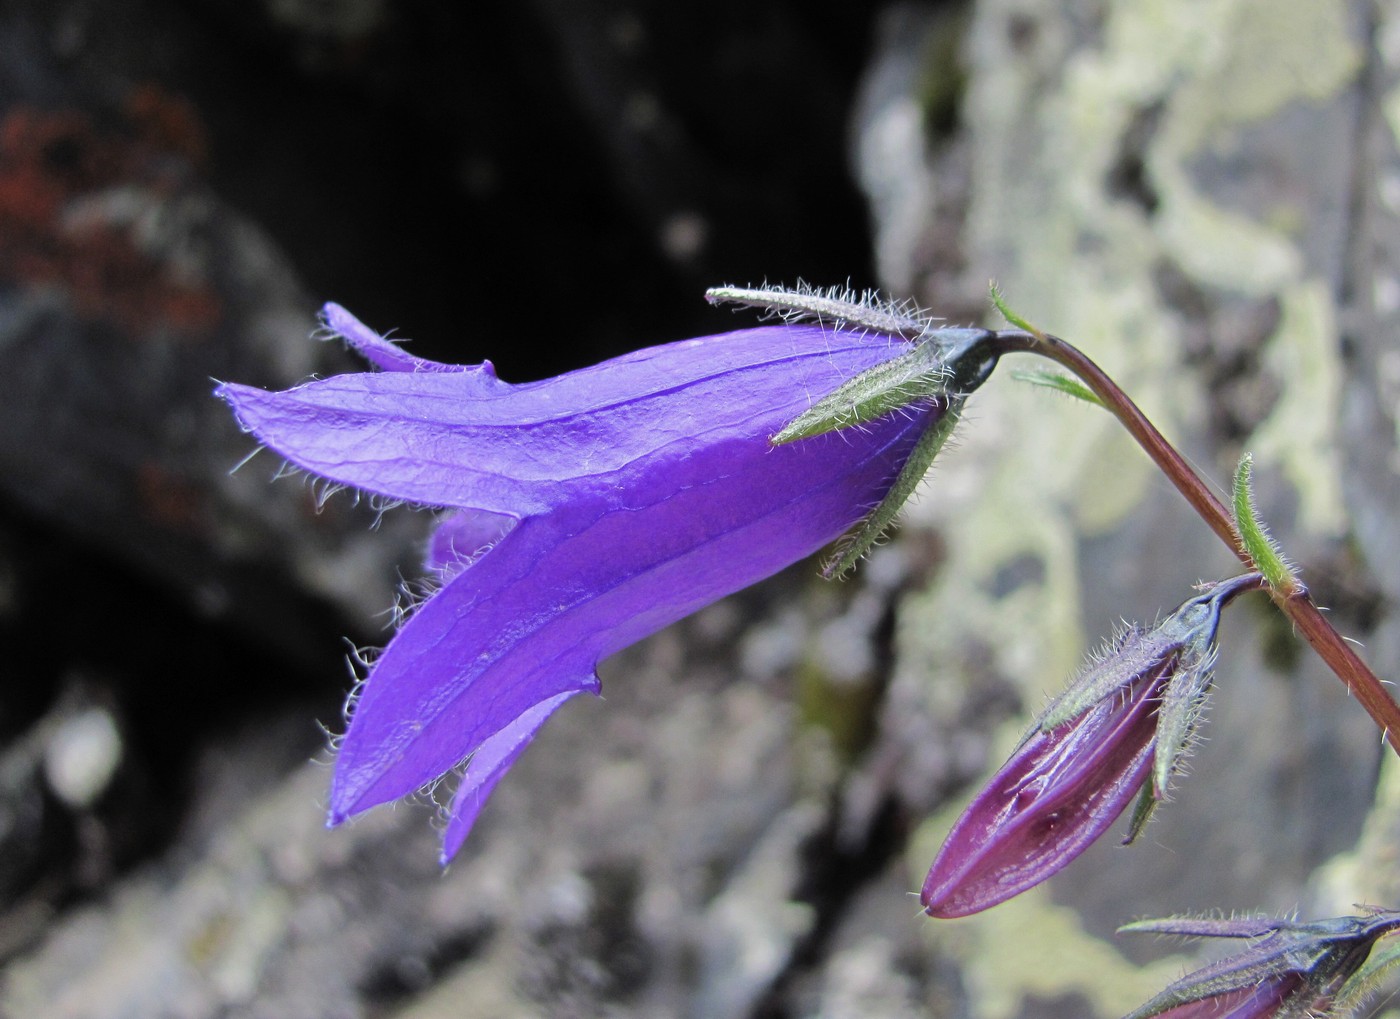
(1366, 874)
(1299, 434)
(1048, 127)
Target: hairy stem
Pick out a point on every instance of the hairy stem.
(1293, 598)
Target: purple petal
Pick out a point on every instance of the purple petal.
(644, 488)
(533, 617)
(1058, 793)
(466, 439)
(384, 353)
(462, 537)
(487, 767)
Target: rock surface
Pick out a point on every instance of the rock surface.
(1205, 196)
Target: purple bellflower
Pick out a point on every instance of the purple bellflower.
(586, 512)
(1118, 732)
(1289, 971)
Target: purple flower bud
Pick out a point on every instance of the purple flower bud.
(1059, 792)
(589, 511)
(1095, 747)
(1289, 969)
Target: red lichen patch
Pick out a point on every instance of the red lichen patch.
(171, 501)
(94, 210)
(166, 123)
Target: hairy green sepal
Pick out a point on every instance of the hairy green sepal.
(1382, 961)
(1311, 964)
(1142, 813)
(870, 530)
(946, 361)
(872, 394)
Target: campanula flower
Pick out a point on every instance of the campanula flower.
(1116, 733)
(586, 512)
(1290, 969)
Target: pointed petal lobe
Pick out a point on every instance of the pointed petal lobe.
(387, 355)
(488, 766)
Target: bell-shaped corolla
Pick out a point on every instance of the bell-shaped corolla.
(586, 512)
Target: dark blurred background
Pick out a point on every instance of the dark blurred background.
(181, 186)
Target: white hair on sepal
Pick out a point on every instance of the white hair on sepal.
(839, 306)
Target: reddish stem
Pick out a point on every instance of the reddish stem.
(1296, 604)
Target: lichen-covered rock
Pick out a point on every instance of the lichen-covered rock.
(1182, 191)
(1202, 195)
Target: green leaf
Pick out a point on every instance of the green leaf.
(1261, 548)
(1009, 315)
(1066, 384)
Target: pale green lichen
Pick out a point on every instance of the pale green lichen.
(1299, 433)
(1388, 47)
(1367, 872)
(1034, 475)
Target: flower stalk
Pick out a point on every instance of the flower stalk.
(1293, 601)
(1287, 592)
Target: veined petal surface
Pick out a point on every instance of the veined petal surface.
(586, 512)
(466, 439)
(532, 618)
(488, 765)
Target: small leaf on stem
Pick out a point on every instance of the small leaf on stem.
(1011, 316)
(1060, 383)
(1261, 548)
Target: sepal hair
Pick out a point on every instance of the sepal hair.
(839, 307)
